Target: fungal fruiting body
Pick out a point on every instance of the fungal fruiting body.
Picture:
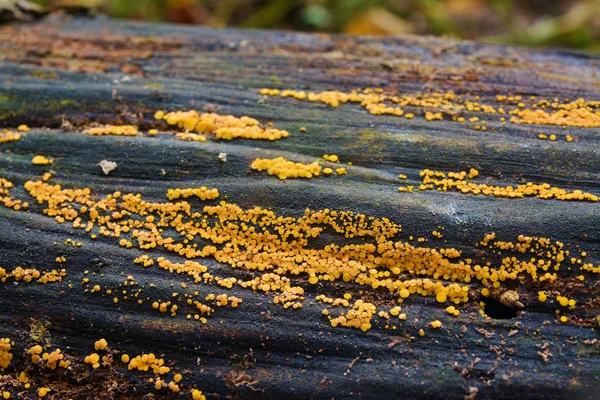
(285, 169)
(203, 193)
(278, 249)
(41, 160)
(450, 106)
(457, 181)
(225, 127)
(5, 352)
(124, 130)
(9, 136)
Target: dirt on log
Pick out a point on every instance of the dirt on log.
(388, 274)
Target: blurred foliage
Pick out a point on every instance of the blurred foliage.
(567, 23)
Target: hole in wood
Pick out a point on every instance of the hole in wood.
(494, 309)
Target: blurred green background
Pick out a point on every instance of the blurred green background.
(566, 23)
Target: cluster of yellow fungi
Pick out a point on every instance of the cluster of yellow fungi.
(123, 130)
(57, 359)
(457, 181)
(285, 169)
(41, 160)
(9, 136)
(5, 352)
(278, 248)
(577, 113)
(224, 127)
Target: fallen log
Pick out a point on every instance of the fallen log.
(435, 234)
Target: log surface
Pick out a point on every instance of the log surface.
(61, 74)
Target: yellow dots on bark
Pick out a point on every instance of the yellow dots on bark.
(331, 157)
(9, 136)
(441, 297)
(203, 193)
(41, 160)
(101, 344)
(197, 395)
(421, 332)
(451, 310)
(285, 169)
(436, 324)
(35, 352)
(93, 359)
(542, 297)
(125, 358)
(125, 130)
(23, 128)
(5, 352)
(43, 391)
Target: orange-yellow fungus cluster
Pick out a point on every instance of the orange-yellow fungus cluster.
(55, 359)
(5, 352)
(197, 395)
(6, 199)
(285, 169)
(28, 275)
(23, 128)
(147, 362)
(123, 130)
(203, 193)
(331, 157)
(190, 137)
(41, 160)
(93, 359)
(436, 324)
(456, 181)
(101, 344)
(225, 127)
(359, 316)
(9, 136)
(281, 251)
(579, 113)
(35, 352)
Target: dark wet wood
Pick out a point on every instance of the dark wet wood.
(102, 70)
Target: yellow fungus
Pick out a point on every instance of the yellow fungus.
(101, 344)
(285, 169)
(41, 160)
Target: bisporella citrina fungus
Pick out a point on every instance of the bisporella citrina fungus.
(281, 255)
(5, 352)
(41, 160)
(223, 127)
(9, 136)
(458, 182)
(450, 106)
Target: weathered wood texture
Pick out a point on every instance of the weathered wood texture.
(107, 71)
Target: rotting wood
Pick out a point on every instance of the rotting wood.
(62, 76)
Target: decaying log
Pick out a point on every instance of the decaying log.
(63, 76)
